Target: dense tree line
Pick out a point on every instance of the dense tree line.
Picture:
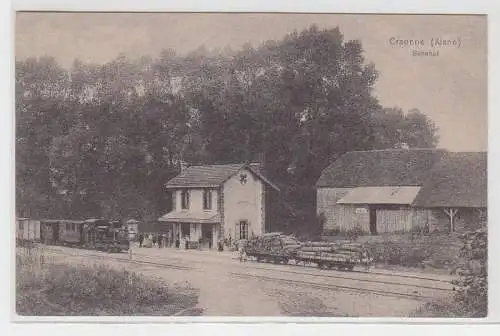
(102, 139)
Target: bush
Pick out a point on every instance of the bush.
(472, 286)
(395, 253)
(415, 249)
(354, 233)
(332, 232)
(471, 294)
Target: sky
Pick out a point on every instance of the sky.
(450, 88)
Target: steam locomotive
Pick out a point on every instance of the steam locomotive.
(97, 234)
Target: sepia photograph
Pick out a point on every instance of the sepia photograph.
(250, 165)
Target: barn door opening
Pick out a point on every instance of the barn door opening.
(373, 221)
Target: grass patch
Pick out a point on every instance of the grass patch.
(46, 288)
(444, 308)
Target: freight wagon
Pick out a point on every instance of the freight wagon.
(273, 247)
(340, 255)
(279, 248)
(27, 230)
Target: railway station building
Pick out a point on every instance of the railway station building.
(214, 202)
(400, 190)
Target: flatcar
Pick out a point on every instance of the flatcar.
(273, 247)
(279, 248)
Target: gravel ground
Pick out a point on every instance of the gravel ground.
(300, 301)
(219, 294)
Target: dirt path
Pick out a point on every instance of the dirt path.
(222, 292)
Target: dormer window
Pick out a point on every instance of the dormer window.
(207, 199)
(185, 199)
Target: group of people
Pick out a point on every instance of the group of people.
(162, 240)
(157, 239)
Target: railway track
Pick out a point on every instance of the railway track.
(411, 293)
(124, 259)
(445, 284)
(310, 284)
(328, 275)
(287, 269)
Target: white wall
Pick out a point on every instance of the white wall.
(195, 200)
(243, 202)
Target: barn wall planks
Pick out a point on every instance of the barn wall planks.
(327, 205)
(394, 220)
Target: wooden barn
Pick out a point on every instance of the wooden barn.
(385, 191)
(455, 195)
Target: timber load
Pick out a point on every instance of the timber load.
(279, 248)
(341, 254)
(273, 247)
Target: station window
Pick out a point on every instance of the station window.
(207, 199)
(21, 225)
(243, 230)
(185, 199)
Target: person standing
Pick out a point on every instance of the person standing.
(242, 249)
(141, 239)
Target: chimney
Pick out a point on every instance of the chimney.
(184, 165)
(262, 161)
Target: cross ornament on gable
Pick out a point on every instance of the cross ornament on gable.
(243, 178)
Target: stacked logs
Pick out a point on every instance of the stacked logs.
(340, 251)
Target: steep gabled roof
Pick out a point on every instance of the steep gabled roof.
(392, 167)
(458, 180)
(213, 175)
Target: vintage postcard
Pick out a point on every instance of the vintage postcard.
(263, 165)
